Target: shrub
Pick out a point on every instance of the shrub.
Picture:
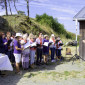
(54, 24)
(51, 22)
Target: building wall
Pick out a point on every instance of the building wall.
(82, 37)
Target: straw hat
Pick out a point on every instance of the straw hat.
(45, 36)
(18, 35)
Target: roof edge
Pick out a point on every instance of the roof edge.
(79, 19)
(78, 13)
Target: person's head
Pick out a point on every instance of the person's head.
(30, 35)
(35, 36)
(52, 36)
(25, 36)
(58, 38)
(18, 36)
(13, 35)
(46, 37)
(3, 35)
(8, 35)
(40, 35)
(32, 38)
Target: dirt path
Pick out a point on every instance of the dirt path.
(58, 73)
(52, 74)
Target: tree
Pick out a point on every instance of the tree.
(5, 2)
(21, 12)
(28, 7)
(10, 7)
(15, 5)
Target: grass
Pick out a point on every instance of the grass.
(66, 73)
(19, 23)
(55, 75)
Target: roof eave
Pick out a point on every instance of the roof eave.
(79, 19)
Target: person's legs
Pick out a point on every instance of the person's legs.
(0, 72)
(40, 55)
(25, 61)
(17, 67)
(8, 53)
(12, 57)
(17, 59)
(52, 53)
(59, 53)
(32, 55)
(44, 58)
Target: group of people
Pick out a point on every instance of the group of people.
(13, 46)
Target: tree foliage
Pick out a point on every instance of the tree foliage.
(54, 24)
(21, 12)
(51, 22)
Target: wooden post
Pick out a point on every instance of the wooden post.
(76, 22)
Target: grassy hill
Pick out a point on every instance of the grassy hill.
(19, 23)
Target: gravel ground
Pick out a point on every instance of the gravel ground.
(26, 79)
(59, 73)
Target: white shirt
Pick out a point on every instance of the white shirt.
(38, 42)
(52, 45)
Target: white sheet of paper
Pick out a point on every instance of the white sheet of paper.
(26, 45)
(33, 44)
(46, 43)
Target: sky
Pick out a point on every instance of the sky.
(63, 10)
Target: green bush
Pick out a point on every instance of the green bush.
(51, 22)
(55, 25)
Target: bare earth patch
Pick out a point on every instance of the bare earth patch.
(58, 73)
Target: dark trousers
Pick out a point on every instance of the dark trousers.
(58, 52)
(39, 55)
(0, 72)
(52, 53)
(11, 56)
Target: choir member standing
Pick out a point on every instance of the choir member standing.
(39, 42)
(17, 51)
(25, 52)
(46, 49)
(52, 47)
(32, 51)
